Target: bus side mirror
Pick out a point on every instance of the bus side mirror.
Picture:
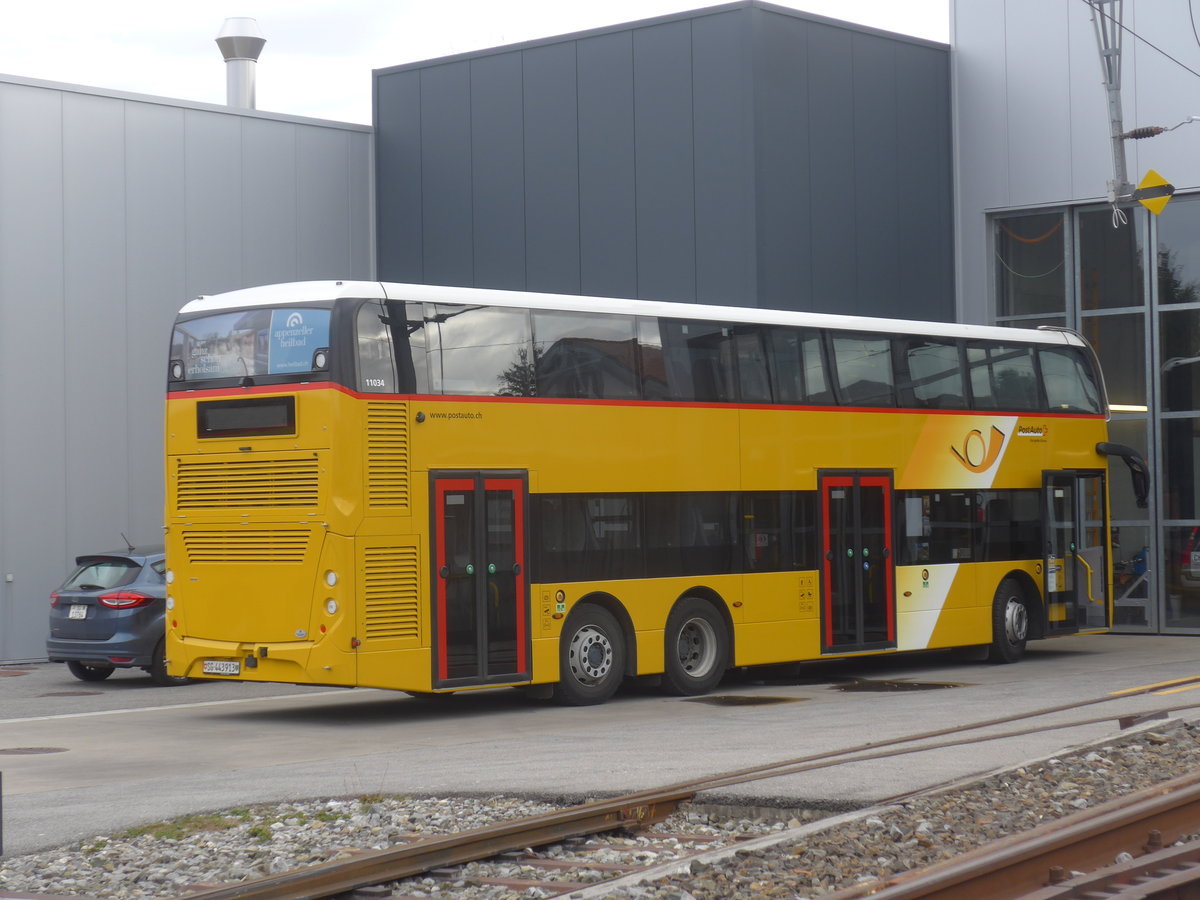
(1139, 474)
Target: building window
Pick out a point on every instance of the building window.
(1030, 271)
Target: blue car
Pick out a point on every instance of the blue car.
(109, 615)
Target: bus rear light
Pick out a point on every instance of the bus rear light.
(125, 599)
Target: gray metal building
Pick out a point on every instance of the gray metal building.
(115, 209)
(1038, 243)
(743, 154)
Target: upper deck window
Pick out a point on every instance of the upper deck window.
(1070, 386)
(251, 342)
(863, 363)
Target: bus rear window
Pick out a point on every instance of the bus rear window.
(250, 342)
(234, 418)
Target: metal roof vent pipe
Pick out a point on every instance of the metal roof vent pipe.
(240, 41)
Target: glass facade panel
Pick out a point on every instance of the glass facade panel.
(1131, 575)
(1131, 432)
(1181, 459)
(1181, 566)
(1120, 343)
(1110, 263)
(1180, 367)
(1178, 260)
(1031, 277)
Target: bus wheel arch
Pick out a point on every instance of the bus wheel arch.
(1017, 617)
(697, 643)
(594, 651)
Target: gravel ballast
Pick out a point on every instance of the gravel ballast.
(164, 860)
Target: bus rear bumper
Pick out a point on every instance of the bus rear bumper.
(290, 662)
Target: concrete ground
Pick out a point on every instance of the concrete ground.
(80, 759)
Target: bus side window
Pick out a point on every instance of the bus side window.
(753, 384)
(1004, 377)
(699, 364)
(936, 526)
(930, 375)
(376, 364)
(582, 355)
(863, 364)
(1068, 380)
(797, 366)
(482, 350)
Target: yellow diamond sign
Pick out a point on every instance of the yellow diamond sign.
(1153, 192)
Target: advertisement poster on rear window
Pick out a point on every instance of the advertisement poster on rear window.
(295, 335)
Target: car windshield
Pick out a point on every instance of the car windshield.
(102, 573)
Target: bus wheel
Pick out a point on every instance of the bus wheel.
(1010, 623)
(696, 648)
(591, 657)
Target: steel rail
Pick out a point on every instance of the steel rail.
(632, 810)
(381, 866)
(1020, 864)
(1170, 874)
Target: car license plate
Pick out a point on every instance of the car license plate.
(222, 667)
(78, 611)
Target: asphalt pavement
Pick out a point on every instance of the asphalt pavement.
(80, 759)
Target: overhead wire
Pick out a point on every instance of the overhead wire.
(1095, 7)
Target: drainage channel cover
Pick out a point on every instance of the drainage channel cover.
(883, 687)
(735, 700)
(30, 751)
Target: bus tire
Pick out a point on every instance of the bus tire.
(1010, 622)
(591, 657)
(158, 669)
(696, 648)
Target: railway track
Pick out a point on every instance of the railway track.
(582, 857)
(631, 812)
(1074, 857)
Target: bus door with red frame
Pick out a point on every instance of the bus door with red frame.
(480, 594)
(858, 585)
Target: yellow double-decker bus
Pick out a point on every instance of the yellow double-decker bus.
(435, 489)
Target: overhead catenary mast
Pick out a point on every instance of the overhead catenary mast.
(1106, 16)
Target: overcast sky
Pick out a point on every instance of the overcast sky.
(319, 53)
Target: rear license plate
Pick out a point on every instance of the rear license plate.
(77, 611)
(222, 667)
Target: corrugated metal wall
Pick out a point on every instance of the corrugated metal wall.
(114, 211)
(744, 154)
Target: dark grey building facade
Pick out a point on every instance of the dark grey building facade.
(743, 154)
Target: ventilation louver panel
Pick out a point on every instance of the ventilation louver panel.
(247, 483)
(250, 546)
(390, 593)
(387, 455)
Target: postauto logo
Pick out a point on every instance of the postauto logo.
(978, 454)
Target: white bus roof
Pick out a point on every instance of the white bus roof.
(301, 292)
